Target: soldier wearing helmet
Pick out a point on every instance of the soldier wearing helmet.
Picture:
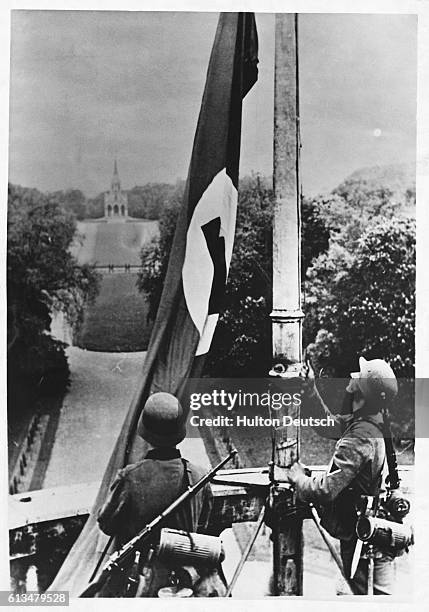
(356, 465)
(141, 491)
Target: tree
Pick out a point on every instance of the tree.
(314, 230)
(365, 299)
(42, 276)
(154, 255)
(148, 201)
(72, 201)
(95, 207)
(363, 303)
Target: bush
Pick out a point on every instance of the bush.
(42, 364)
(42, 276)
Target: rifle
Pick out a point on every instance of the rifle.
(121, 556)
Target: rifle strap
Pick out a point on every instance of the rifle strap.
(186, 484)
(391, 461)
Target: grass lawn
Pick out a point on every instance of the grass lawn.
(113, 243)
(116, 322)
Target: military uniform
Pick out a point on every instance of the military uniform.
(354, 470)
(141, 491)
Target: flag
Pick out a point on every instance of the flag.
(198, 265)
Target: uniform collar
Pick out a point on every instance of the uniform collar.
(163, 453)
(377, 418)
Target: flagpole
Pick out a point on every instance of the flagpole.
(287, 315)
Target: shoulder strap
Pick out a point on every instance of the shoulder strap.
(368, 419)
(357, 482)
(187, 482)
(186, 472)
(392, 465)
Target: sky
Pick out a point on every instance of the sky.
(90, 86)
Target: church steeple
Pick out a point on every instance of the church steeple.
(115, 202)
(116, 183)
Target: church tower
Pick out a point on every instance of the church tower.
(115, 202)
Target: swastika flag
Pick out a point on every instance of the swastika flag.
(202, 247)
(213, 173)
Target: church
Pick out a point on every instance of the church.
(115, 202)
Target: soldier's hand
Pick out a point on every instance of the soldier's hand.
(290, 475)
(308, 377)
(296, 471)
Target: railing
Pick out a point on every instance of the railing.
(25, 465)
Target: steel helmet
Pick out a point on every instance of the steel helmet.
(376, 380)
(162, 421)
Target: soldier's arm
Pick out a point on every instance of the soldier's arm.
(351, 453)
(314, 406)
(110, 514)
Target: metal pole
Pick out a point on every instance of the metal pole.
(287, 314)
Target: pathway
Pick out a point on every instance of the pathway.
(102, 386)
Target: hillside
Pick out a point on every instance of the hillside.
(113, 243)
(117, 321)
(397, 177)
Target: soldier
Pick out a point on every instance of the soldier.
(355, 468)
(141, 491)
